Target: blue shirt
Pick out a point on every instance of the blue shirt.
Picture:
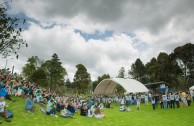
(3, 92)
(28, 105)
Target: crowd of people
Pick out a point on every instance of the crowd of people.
(164, 100)
(52, 103)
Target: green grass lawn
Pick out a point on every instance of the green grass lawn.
(144, 117)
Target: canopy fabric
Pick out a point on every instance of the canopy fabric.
(191, 88)
(107, 86)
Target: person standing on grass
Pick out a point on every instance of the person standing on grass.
(135, 99)
(172, 100)
(188, 98)
(138, 103)
(184, 100)
(193, 95)
(161, 101)
(4, 113)
(146, 99)
(149, 96)
(156, 97)
(127, 100)
(130, 99)
(168, 101)
(153, 103)
(177, 98)
(29, 104)
(164, 99)
(122, 105)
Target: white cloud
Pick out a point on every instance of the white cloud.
(157, 25)
(99, 56)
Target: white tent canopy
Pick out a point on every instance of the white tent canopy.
(107, 86)
(191, 88)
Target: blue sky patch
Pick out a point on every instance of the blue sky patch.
(97, 35)
(140, 45)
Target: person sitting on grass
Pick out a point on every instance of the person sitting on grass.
(65, 113)
(29, 104)
(4, 93)
(84, 109)
(90, 112)
(50, 109)
(98, 114)
(4, 113)
(70, 107)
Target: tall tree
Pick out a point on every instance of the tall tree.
(152, 70)
(30, 67)
(121, 74)
(137, 70)
(68, 83)
(81, 78)
(39, 76)
(10, 34)
(185, 56)
(55, 71)
(163, 69)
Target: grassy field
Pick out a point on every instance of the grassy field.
(183, 116)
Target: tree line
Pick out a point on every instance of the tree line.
(51, 74)
(176, 68)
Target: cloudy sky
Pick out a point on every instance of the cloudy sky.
(103, 35)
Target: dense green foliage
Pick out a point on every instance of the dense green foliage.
(10, 34)
(81, 79)
(171, 68)
(176, 69)
(184, 55)
(137, 70)
(55, 72)
(30, 67)
(47, 74)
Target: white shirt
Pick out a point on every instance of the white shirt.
(130, 97)
(177, 97)
(164, 97)
(135, 97)
(172, 97)
(153, 101)
(192, 93)
(138, 101)
(90, 113)
(146, 98)
(2, 106)
(122, 102)
(150, 95)
(127, 98)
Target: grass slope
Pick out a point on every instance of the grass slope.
(145, 117)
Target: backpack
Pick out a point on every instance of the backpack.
(10, 113)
